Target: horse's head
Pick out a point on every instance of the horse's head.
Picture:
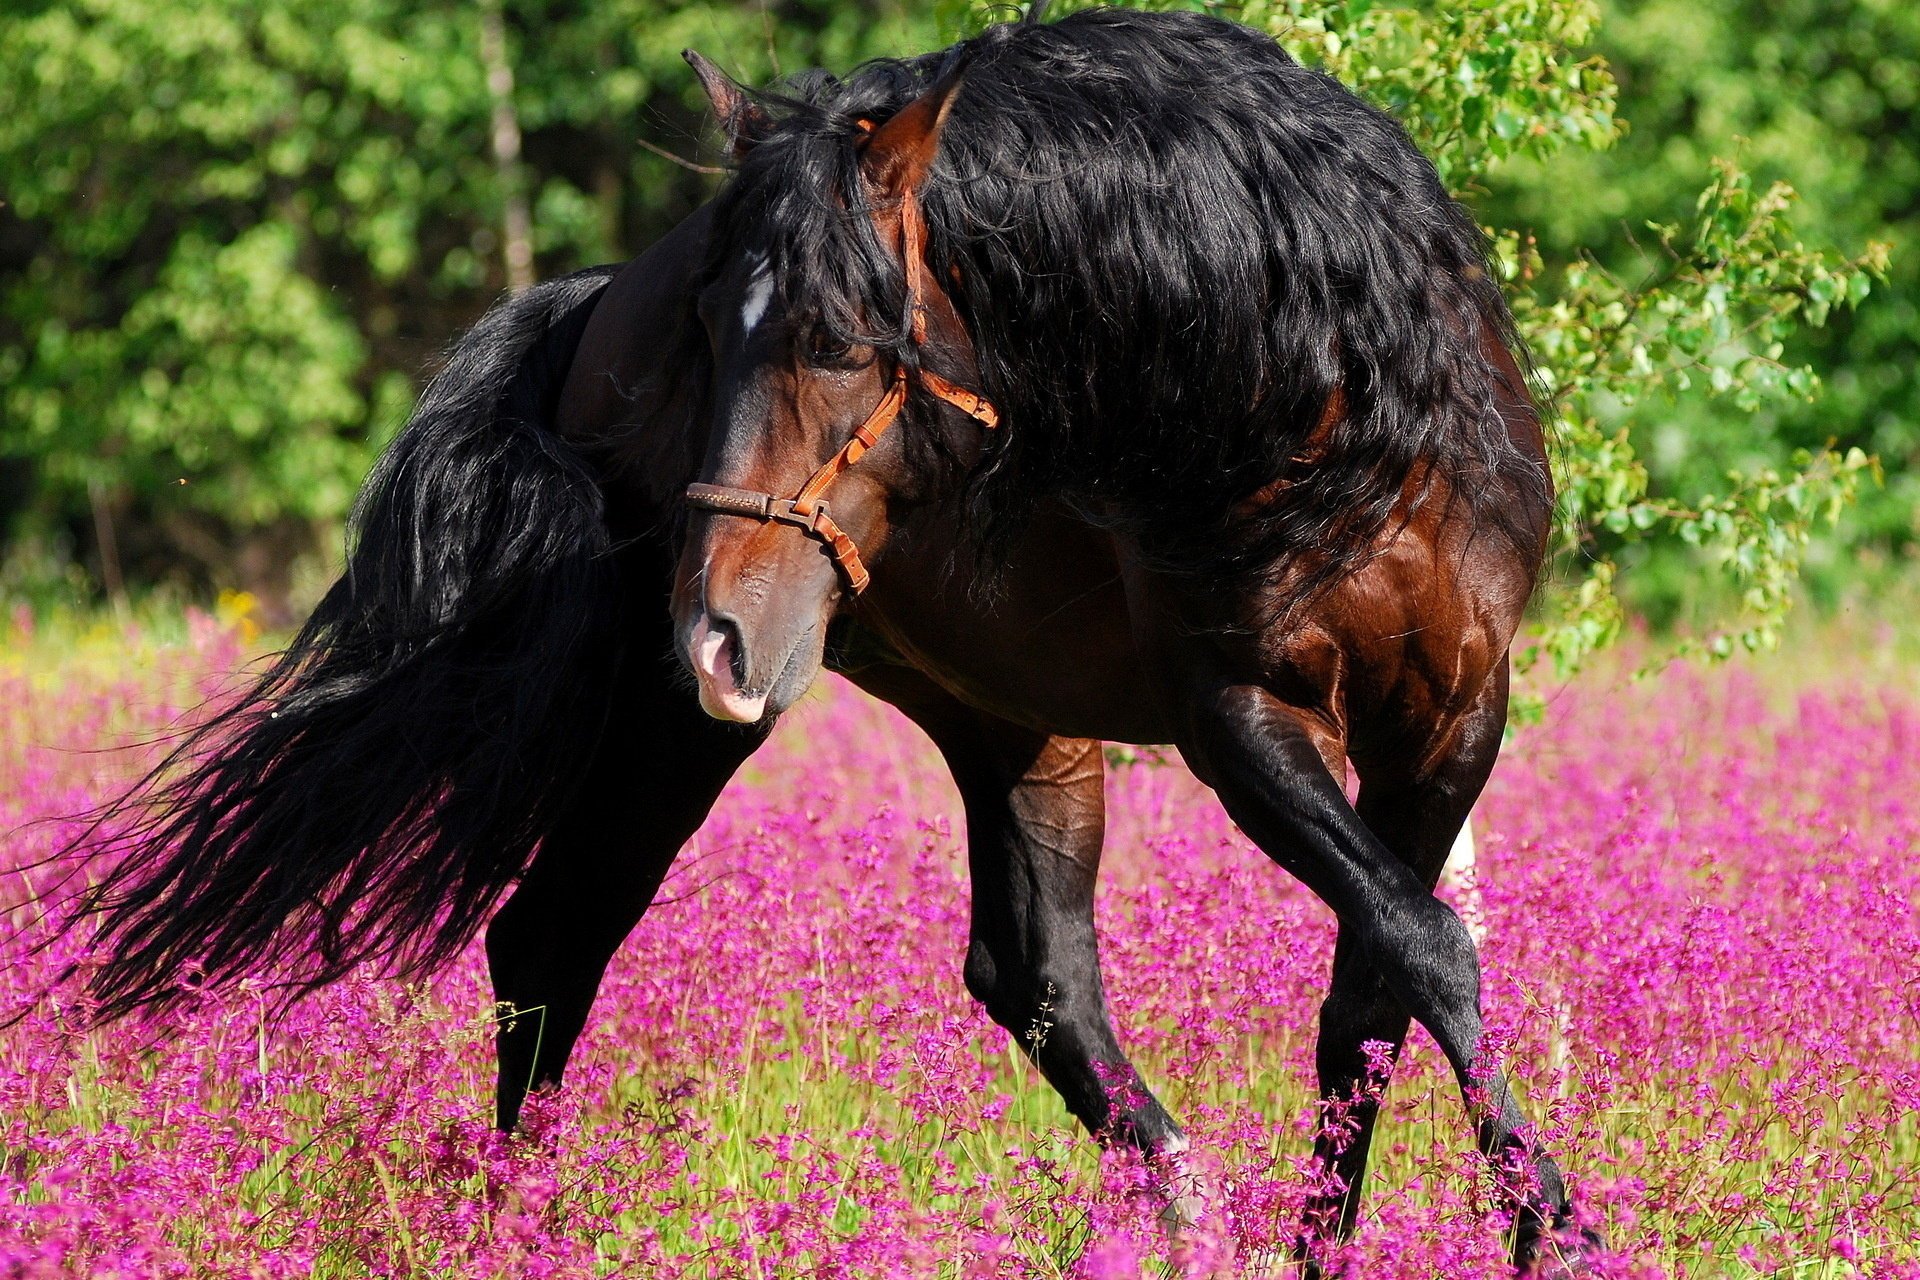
(832, 345)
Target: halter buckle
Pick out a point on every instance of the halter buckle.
(787, 511)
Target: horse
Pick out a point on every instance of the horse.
(1110, 379)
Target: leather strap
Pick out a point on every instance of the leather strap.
(814, 521)
(807, 509)
(864, 437)
(971, 403)
(913, 246)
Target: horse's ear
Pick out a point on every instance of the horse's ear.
(897, 155)
(743, 118)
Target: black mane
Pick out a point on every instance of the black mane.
(1175, 244)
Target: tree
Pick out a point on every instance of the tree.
(233, 236)
(1821, 94)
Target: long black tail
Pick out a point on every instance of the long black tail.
(389, 776)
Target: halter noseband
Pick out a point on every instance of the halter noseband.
(807, 509)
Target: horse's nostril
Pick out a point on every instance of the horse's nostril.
(736, 655)
(720, 668)
(717, 651)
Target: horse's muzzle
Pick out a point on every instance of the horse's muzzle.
(715, 650)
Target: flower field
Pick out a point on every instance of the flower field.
(1701, 904)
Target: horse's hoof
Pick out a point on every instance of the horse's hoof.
(1270, 1264)
(1183, 1203)
(1568, 1253)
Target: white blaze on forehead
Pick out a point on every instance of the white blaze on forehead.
(759, 293)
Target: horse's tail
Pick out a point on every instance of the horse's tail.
(388, 777)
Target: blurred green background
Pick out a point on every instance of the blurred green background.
(1825, 95)
(234, 235)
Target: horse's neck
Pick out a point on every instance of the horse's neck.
(631, 398)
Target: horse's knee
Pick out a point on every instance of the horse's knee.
(1026, 1000)
(1349, 1019)
(1003, 986)
(983, 976)
(1455, 959)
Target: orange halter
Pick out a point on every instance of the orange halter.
(807, 509)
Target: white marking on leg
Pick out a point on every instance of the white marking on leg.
(1462, 874)
(1181, 1189)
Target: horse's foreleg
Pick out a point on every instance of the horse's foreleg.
(1035, 823)
(1034, 831)
(657, 773)
(1262, 758)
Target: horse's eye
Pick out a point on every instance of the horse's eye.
(824, 345)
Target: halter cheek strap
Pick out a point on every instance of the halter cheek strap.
(807, 509)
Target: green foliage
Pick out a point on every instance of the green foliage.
(1820, 94)
(1731, 287)
(1474, 83)
(230, 368)
(233, 236)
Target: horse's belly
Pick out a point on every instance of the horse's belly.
(1053, 649)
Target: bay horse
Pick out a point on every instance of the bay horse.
(1114, 379)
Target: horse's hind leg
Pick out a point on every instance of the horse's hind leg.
(657, 773)
(1261, 756)
(1036, 817)
(1417, 815)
